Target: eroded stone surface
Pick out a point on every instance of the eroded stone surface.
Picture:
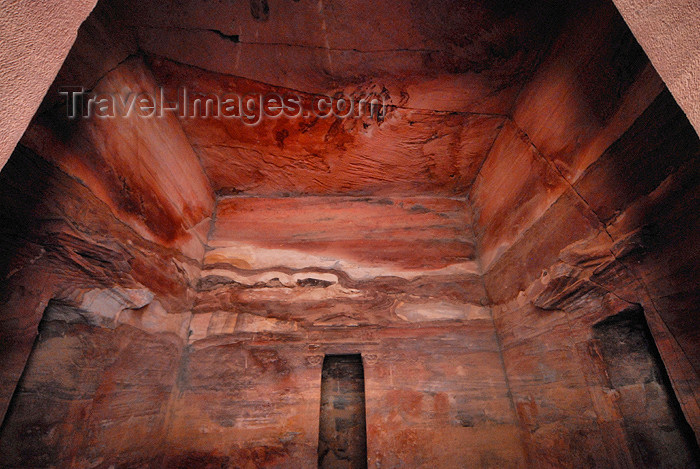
(427, 56)
(143, 169)
(409, 151)
(342, 260)
(470, 244)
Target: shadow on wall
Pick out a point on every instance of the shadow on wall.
(657, 432)
(342, 438)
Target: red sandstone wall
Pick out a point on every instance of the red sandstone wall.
(585, 227)
(568, 231)
(93, 205)
(91, 397)
(287, 280)
(240, 382)
(434, 397)
(66, 258)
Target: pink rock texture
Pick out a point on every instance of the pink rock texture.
(667, 33)
(36, 36)
(410, 152)
(512, 248)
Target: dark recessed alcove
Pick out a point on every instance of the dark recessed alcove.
(342, 440)
(657, 431)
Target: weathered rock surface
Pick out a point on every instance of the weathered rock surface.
(437, 55)
(512, 247)
(143, 169)
(256, 397)
(91, 397)
(102, 217)
(407, 151)
(60, 242)
(596, 232)
(341, 260)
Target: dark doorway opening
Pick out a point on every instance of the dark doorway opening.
(342, 441)
(653, 420)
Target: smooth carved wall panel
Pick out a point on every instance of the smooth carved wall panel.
(90, 394)
(590, 88)
(399, 234)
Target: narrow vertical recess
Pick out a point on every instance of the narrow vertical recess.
(659, 435)
(342, 440)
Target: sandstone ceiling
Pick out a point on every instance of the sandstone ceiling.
(450, 72)
(506, 105)
(468, 56)
(495, 245)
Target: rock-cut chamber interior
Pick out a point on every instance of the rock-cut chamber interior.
(498, 265)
